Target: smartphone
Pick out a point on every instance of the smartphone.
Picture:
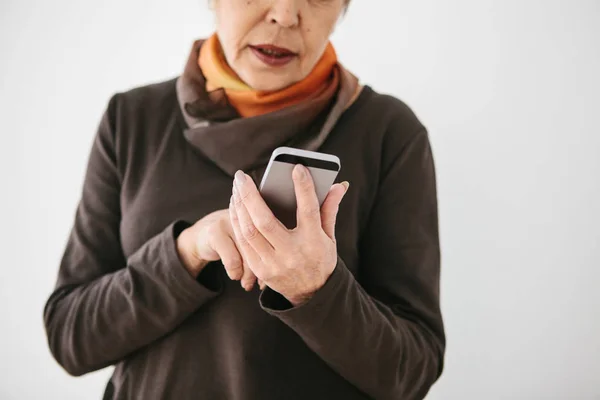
(277, 186)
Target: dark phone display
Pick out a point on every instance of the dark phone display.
(308, 162)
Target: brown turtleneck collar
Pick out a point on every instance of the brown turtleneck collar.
(214, 126)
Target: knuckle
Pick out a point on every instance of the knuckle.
(307, 184)
(267, 224)
(237, 200)
(310, 210)
(248, 275)
(213, 230)
(235, 274)
(250, 231)
(235, 264)
(241, 240)
(244, 195)
(222, 225)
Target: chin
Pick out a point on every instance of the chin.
(268, 83)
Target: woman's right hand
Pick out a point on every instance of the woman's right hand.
(212, 239)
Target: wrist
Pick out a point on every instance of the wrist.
(299, 300)
(187, 254)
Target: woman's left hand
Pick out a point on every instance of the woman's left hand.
(295, 263)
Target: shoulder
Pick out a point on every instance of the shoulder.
(144, 100)
(389, 110)
(144, 112)
(387, 121)
(140, 119)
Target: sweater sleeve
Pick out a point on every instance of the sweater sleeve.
(383, 330)
(105, 306)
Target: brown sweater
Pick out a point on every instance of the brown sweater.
(122, 296)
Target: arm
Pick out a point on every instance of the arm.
(383, 332)
(105, 306)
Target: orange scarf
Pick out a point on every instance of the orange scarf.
(323, 79)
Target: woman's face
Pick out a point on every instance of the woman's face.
(272, 44)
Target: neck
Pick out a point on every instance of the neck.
(323, 79)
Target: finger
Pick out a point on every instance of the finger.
(308, 213)
(248, 230)
(261, 215)
(330, 208)
(248, 278)
(229, 254)
(261, 285)
(249, 256)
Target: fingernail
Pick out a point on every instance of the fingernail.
(302, 171)
(240, 177)
(346, 185)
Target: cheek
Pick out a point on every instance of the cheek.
(317, 32)
(315, 41)
(234, 22)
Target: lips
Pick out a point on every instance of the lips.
(273, 56)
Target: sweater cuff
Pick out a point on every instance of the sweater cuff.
(277, 305)
(194, 288)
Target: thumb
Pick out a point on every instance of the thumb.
(330, 207)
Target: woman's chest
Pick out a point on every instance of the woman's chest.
(190, 188)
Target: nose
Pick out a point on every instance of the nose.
(285, 13)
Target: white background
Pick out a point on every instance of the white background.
(509, 89)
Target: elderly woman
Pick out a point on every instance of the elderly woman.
(177, 272)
